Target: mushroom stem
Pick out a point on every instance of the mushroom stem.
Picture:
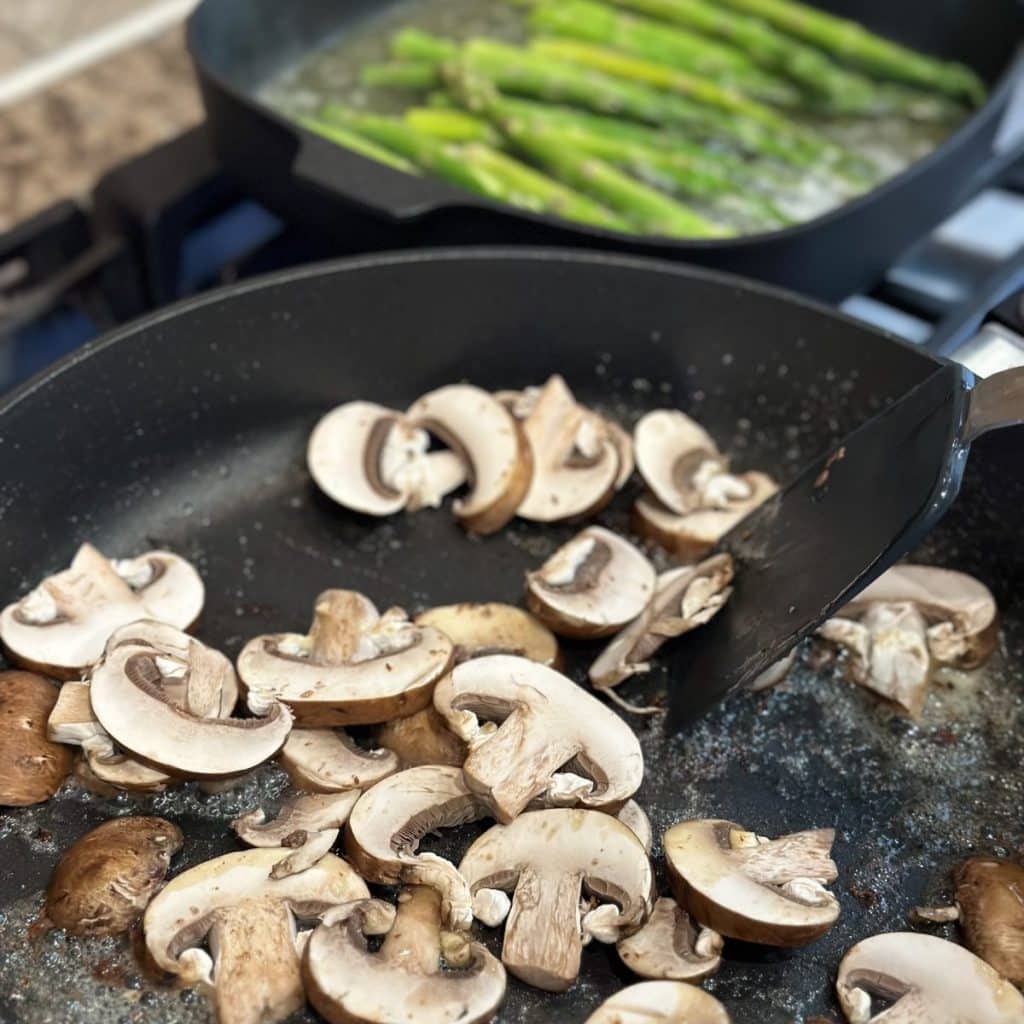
(415, 938)
(539, 949)
(802, 855)
(256, 988)
(339, 620)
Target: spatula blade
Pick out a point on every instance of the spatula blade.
(818, 543)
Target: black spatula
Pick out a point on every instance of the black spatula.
(845, 521)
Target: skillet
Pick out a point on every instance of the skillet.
(188, 429)
(238, 45)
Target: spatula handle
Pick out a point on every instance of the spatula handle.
(996, 402)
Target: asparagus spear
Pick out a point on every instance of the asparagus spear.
(462, 166)
(652, 40)
(358, 144)
(415, 44)
(843, 91)
(856, 45)
(402, 74)
(451, 125)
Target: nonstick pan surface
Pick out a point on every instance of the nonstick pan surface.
(188, 431)
(239, 45)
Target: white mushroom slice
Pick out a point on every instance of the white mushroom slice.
(370, 459)
(961, 612)
(389, 821)
(694, 535)
(670, 946)
(775, 673)
(576, 460)
(747, 887)
(490, 442)
(248, 920)
(660, 1002)
(677, 459)
(684, 599)
(624, 445)
(923, 978)
(634, 817)
(128, 697)
(353, 668)
(61, 627)
(328, 761)
(307, 825)
(492, 628)
(403, 982)
(546, 859)
(545, 723)
(592, 586)
(423, 738)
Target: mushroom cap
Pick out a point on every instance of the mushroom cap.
(492, 446)
(990, 895)
(369, 459)
(389, 820)
(545, 722)
(179, 918)
(327, 761)
(32, 766)
(666, 946)
(546, 859)
(635, 818)
(671, 1002)
(403, 982)
(128, 696)
(104, 882)
(61, 627)
(740, 892)
(670, 448)
(478, 629)
(422, 739)
(592, 586)
(924, 979)
(346, 671)
(961, 611)
(576, 461)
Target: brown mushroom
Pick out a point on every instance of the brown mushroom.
(744, 886)
(423, 739)
(670, 947)
(104, 882)
(354, 667)
(328, 761)
(32, 767)
(660, 1002)
(477, 630)
(990, 895)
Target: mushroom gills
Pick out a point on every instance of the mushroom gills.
(328, 761)
(669, 946)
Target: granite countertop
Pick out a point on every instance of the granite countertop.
(57, 144)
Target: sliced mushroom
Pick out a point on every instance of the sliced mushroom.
(389, 820)
(923, 978)
(669, 1002)
(684, 599)
(354, 667)
(634, 817)
(248, 920)
(403, 982)
(126, 774)
(546, 859)
(550, 733)
(104, 882)
(372, 460)
(769, 891)
(307, 825)
(692, 536)
(624, 445)
(328, 761)
(592, 586)
(421, 739)
(576, 461)
(491, 628)
(136, 694)
(678, 460)
(990, 895)
(32, 767)
(670, 946)
(492, 446)
(60, 628)
(961, 612)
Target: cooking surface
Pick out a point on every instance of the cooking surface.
(214, 469)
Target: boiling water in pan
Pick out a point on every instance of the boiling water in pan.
(908, 800)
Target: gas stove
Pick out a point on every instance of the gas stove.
(169, 225)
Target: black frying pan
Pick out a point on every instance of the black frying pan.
(237, 45)
(188, 430)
